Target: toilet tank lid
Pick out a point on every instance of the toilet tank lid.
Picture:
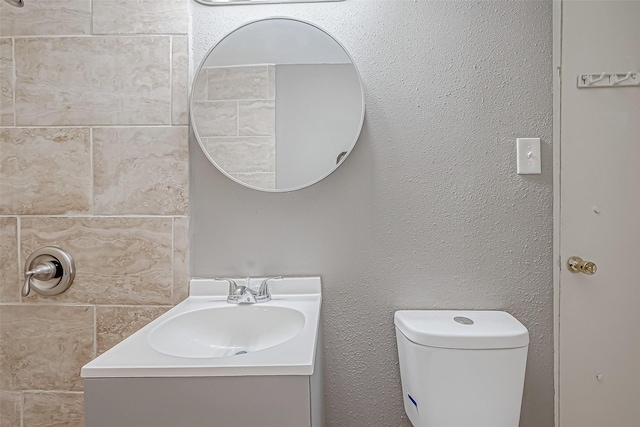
(462, 329)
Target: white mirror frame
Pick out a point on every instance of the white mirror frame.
(203, 145)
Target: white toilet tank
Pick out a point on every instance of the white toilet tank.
(461, 368)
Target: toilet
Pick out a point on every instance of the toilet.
(461, 368)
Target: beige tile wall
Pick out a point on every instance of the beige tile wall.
(6, 82)
(94, 158)
(234, 111)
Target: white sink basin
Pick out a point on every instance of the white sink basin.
(206, 336)
(226, 331)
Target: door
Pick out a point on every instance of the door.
(599, 315)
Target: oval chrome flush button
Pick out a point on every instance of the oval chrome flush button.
(463, 320)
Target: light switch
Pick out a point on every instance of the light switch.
(528, 155)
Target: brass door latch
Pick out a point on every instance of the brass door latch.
(575, 264)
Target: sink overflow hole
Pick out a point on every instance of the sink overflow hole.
(241, 352)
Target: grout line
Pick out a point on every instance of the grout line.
(94, 36)
(36, 303)
(134, 305)
(266, 64)
(239, 99)
(171, 100)
(91, 173)
(45, 127)
(173, 261)
(14, 77)
(95, 331)
(35, 391)
(83, 304)
(88, 215)
(91, 18)
(206, 84)
(22, 408)
(19, 249)
(93, 126)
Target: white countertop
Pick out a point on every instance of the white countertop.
(135, 358)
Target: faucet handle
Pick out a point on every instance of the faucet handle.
(233, 286)
(46, 271)
(264, 286)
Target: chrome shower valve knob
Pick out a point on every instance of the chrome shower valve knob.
(48, 271)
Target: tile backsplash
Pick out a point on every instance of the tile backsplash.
(93, 158)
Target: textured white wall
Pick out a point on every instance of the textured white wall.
(427, 211)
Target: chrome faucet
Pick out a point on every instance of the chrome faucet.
(263, 291)
(243, 294)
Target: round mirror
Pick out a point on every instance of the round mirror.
(277, 104)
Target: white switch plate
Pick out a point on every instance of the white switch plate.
(528, 155)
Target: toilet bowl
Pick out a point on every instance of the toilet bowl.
(461, 368)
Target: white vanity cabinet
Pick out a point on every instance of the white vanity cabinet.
(264, 401)
(177, 371)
